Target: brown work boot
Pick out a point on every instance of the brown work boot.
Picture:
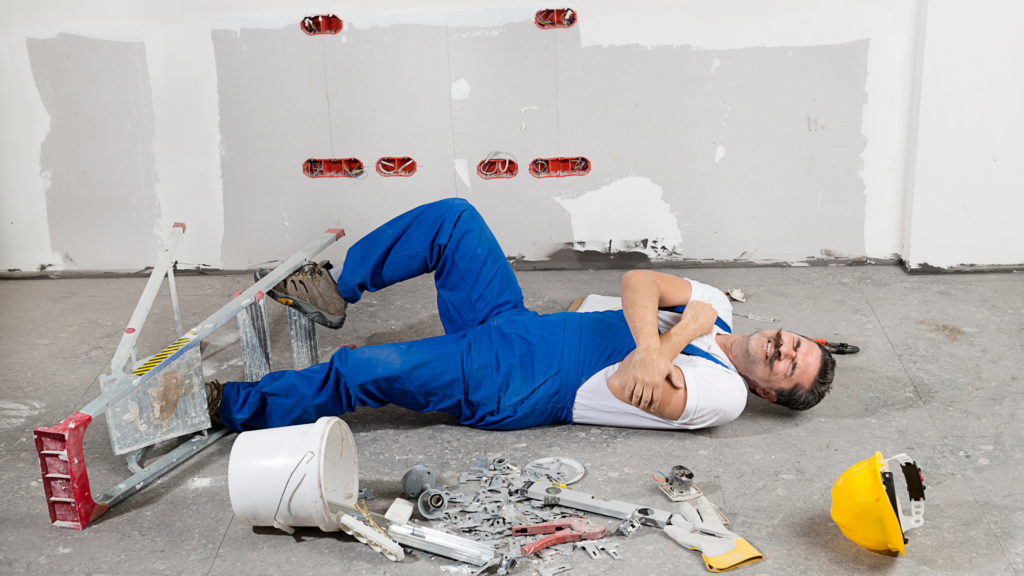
(214, 396)
(312, 291)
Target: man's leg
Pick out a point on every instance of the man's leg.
(474, 283)
(423, 375)
(449, 237)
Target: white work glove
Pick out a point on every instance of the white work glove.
(702, 529)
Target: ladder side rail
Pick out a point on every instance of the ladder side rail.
(162, 465)
(156, 278)
(174, 299)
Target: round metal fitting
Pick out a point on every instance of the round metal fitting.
(555, 469)
(418, 479)
(432, 504)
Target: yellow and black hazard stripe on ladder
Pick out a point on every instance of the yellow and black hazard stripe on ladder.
(164, 354)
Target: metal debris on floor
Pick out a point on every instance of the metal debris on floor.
(555, 469)
(521, 516)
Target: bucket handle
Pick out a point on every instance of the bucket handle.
(277, 523)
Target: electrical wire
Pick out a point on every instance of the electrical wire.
(396, 171)
(508, 159)
(536, 169)
(366, 514)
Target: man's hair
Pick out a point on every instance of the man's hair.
(801, 398)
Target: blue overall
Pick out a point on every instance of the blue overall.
(499, 366)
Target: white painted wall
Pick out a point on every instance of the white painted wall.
(966, 188)
(181, 67)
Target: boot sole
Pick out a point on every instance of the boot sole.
(312, 313)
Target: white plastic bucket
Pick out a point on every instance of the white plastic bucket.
(296, 468)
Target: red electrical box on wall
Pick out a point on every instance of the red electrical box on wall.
(389, 166)
(494, 167)
(333, 168)
(559, 167)
(555, 18)
(322, 24)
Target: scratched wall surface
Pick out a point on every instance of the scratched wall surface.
(97, 159)
(696, 153)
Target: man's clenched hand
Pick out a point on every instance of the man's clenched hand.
(700, 316)
(651, 365)
(649, 370)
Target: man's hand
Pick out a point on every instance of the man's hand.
(699, 316)
(649, 369)
(651, 365)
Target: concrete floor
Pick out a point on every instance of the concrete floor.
(937, 377)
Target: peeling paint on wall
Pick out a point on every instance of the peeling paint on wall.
(627, 215)
(97, 160)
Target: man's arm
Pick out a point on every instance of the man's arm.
(672, 395)
(643, 292)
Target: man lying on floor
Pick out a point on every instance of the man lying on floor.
(501, 366)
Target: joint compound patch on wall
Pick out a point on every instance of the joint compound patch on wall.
(98, 157)
(460, 89)
(628, 215)
(462, 169)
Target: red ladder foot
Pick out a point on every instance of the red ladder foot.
(65, 478)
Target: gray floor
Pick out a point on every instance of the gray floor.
(937, 377)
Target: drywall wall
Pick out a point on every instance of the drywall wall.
(231, 129)
(967, 178)
(286, 97)
(97, 161)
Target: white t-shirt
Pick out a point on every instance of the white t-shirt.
(714, 395)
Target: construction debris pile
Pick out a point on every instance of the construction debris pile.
(518, 513)
(492, 514)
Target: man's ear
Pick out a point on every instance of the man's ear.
(765, 393)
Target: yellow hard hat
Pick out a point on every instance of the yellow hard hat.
(865, 506)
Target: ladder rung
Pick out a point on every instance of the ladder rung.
(60, 476)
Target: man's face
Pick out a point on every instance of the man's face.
(778, 360)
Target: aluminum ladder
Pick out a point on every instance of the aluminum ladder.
(167, 390)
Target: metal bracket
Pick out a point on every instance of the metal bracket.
(590, 548)
(554, 570)
(609, 547)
